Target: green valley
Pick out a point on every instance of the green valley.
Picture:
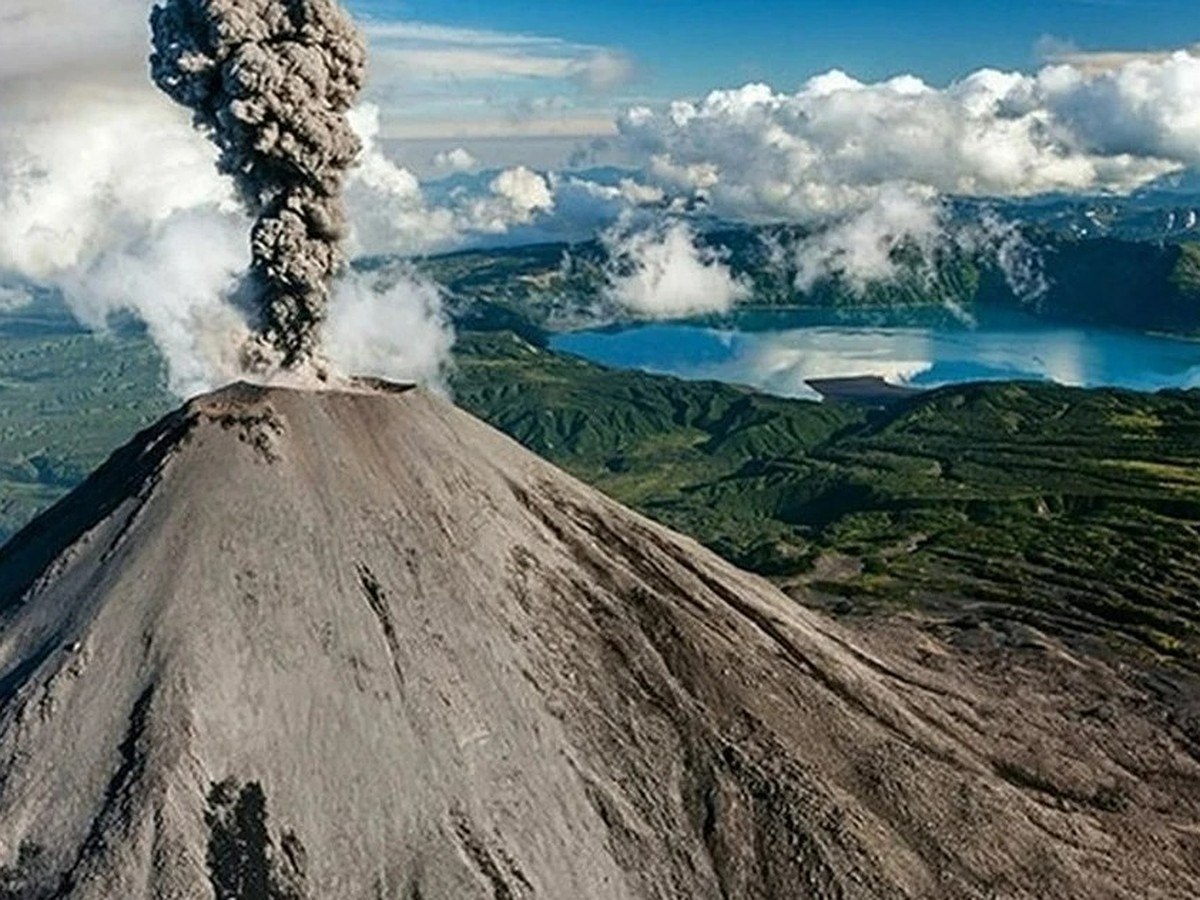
(1076, 512)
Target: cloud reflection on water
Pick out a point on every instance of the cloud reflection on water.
(781, 360)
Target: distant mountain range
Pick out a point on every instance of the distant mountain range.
(1148, 285)
(1167, 211)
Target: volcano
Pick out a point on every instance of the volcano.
(357, 644)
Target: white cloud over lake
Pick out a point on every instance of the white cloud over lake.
(663, 273)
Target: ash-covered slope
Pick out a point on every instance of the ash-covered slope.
(326, 645)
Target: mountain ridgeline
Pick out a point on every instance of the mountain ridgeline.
(1107, 281)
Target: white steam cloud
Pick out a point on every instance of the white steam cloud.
(397, 331)
(175, 275)
(141, 222)
(662, 273)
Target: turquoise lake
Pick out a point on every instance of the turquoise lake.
(778, 351)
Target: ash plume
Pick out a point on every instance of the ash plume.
(271, 83)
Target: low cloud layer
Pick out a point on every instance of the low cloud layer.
(435, 81)
(14, 297)
(424, 50)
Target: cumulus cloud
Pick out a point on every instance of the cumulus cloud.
(833, 147)
(661, 272)
(867, 165)
(456, 160)
(525, 191)
(515, 197)
(390, 211)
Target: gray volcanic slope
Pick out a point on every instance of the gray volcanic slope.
(326, 645)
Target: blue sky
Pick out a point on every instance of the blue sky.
(689, 46)
(552, 72)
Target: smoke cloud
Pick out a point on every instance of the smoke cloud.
(271, 83)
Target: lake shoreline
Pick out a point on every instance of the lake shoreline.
(781, 351)
(952, 313)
